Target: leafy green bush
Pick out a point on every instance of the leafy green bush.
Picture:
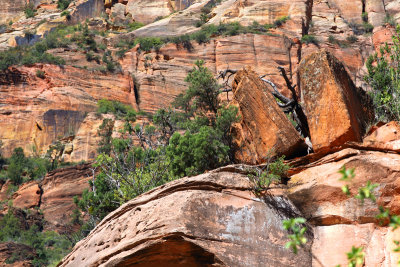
(135, 25)
(29, 10)
(203, 91)
(280, 21)
(390, 20)
(49, 247)
(63, 4)
(368, 27)
(120, 110)
(195, 153)
(21, 166)
(37, 52)
(383, 77)
(309, 39)
(352, 39)
(40, 74)
(273, 171)
(149, 43)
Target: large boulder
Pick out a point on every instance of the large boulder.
(27, 196)
(212, 219)
(336, 110)
(264, 129)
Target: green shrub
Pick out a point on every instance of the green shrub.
(390, 20)
(309, 39)
(273, 171)
(117, 108)
(364, 16)
(383, 77)
(194, 153)
(135, 25)
(368, 27)
(280, 21)
(201, 37)
(63, 4)
(29, 10)
(17, 165)
(149, 43)
(66, 13)
(203, 90)
(49, 246)
(40, 74)
(21, 167)
(352, 39)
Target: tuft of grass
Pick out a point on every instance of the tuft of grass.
(309, 39)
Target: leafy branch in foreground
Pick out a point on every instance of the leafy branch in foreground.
(297, 238)
(355, 257)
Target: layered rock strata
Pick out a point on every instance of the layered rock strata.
(208, 220)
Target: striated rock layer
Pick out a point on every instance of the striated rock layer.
(264, 130)
(35, 112)
(336, 111)
(208, 220)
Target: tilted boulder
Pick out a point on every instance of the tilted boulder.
(212, 219)
(263, 128)
(336, 110)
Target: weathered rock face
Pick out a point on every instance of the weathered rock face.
(318, 194)
(331, 244)
(86, 9)
(336, 111)
(146, 11)
(35, 112)
(7, 249)
(245, 12)
(208, 220)
(264, 129)
(317, 190)
(59, 188)
(27, 196)
(11, 9)
(163, 76)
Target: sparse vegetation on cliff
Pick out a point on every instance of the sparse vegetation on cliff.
(150, 154)
(384, 76)
(63, 4)
(46, 248)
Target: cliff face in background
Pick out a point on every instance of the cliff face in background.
(213, 219)
(160, 75)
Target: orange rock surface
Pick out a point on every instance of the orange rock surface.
(263, 129)
(59, 188)
(336, 111)
(35, 112)
(208, 220)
